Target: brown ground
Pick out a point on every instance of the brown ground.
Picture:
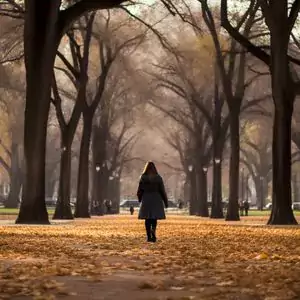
(108, 258)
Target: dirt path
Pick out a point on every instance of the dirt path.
(134, 284)
(139, 286)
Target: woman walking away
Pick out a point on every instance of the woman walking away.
(152, 195)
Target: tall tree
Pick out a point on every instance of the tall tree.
(234, 94)
(12, 106)
(231, 63)
(45, 24)
(256, 154)
(78, 73)
(182, 109)
(280, 18)
(183, 77)
(108, 145)
(112, 42)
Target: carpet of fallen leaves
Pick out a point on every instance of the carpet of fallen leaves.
(207, 259)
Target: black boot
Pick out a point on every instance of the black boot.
(148, 230)
(153, 230)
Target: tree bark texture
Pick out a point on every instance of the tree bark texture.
(63, 208)
(202, 205)
(193, 194)
(40, 45)
(233, 205)
(16, 178)
(295, 187)
(261, 189)
(218, 145)
(82, 203)
(217, 206)
(283, 97)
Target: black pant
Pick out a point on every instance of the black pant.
(150, 225)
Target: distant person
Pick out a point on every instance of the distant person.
(246, 207)
(152, 195)
(131, 209)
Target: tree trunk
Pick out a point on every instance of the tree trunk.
(217, 209)
(295, 188)
(282, 212)
(40, 45)
(99, 150)
(118, 195)
(233, 205)
(283, 97)
(218, 145)
(15, 189)
(82, 203)
(103, 188)
(99, 191)
(63, 207)
(113, 194)
(94, 191)
(261, 189)
(186, 192)
(97, 205)
(16, 178)
(202, 204)
(99, 188)
(193, 194)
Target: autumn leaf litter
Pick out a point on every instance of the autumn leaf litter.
(200, 256)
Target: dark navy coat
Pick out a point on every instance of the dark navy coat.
(152, 195)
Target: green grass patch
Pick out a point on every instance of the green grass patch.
(259, 213)
(253, 213)
(15, 211)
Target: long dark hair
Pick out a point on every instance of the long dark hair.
(150, 168)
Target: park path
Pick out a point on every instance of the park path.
(141, 286)
(136, 285)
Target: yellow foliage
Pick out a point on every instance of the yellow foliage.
(257, 132)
